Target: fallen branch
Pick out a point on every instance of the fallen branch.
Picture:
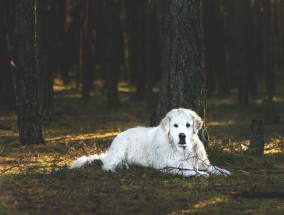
(2, 149)
(263, 171)
(279, 135)
(83, 149)
(177, 168)
(257, 194)
(12, 167)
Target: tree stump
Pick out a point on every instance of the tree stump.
(257, 137)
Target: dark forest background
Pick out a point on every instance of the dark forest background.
(104, 42)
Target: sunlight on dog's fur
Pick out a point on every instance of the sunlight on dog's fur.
(173, 146)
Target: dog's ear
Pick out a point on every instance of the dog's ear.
(197, 123)
(165, 124)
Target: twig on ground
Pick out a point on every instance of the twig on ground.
(176, 168)
(10, 168)
(279, 135)
(2, 149)
(263, 172)
(85, 151)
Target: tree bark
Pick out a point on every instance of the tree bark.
(45, 65)
(152, 51)
(257, 137)
(111, 64)
(28, 76)
(242, 39)
(63, 47)
(268, 59)
(137, 42)
(7, 92)
(87, 52)
(183, 81)
(215, 48)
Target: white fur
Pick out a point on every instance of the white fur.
(160, 147)
(84, 160)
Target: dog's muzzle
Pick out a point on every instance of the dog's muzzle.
(182, 137)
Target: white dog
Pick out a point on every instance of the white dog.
(173, 147)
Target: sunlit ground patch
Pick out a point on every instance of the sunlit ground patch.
(93, 136)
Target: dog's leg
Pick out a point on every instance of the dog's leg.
(115, 157)
(190, 173)
(186, 172)
(202, 162)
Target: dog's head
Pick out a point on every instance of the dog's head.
(181, 125)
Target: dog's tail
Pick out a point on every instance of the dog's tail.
(86, 160)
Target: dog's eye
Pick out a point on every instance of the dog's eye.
(187, 125)
(176, 125)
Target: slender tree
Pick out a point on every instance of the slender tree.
(87, 51)
(268, 44)
(215, 54)
(152, 51)
(63, 42)
(242, 23)
(28, 76)
(7, 93)
(183, 81)
(136, 22)
(111, 63)
(45, 65)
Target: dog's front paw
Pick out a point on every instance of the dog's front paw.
(223, 172)
(203, 174)
(218, 171)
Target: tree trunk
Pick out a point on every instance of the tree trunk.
(7, 92)
(152, 51)
(136, 12)
(64, 62)
(45, 40)
(257, 137)
(268, 59)
(242, 36)
(111, 64)
(215, 48)
(87, 52)
(183, 81)
(28, 77)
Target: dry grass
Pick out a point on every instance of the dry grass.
(38, 180)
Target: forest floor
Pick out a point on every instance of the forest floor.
(38, 179)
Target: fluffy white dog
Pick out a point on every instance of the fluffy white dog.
(172, 147)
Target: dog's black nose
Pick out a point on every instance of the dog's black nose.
(182, 136)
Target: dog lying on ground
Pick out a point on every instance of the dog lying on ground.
(173, 146)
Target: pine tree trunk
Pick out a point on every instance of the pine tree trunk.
(136, 13)
(268, 59)
(183, 81)
(257, 137)
(63, 43)
(45, 65)
(152, 52)
(87, 52)
(215, 48)
(242, 36)
(28, 77)
(7, 92)
(111, 66)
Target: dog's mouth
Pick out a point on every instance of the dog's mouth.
(182, 137)
(182, 142)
